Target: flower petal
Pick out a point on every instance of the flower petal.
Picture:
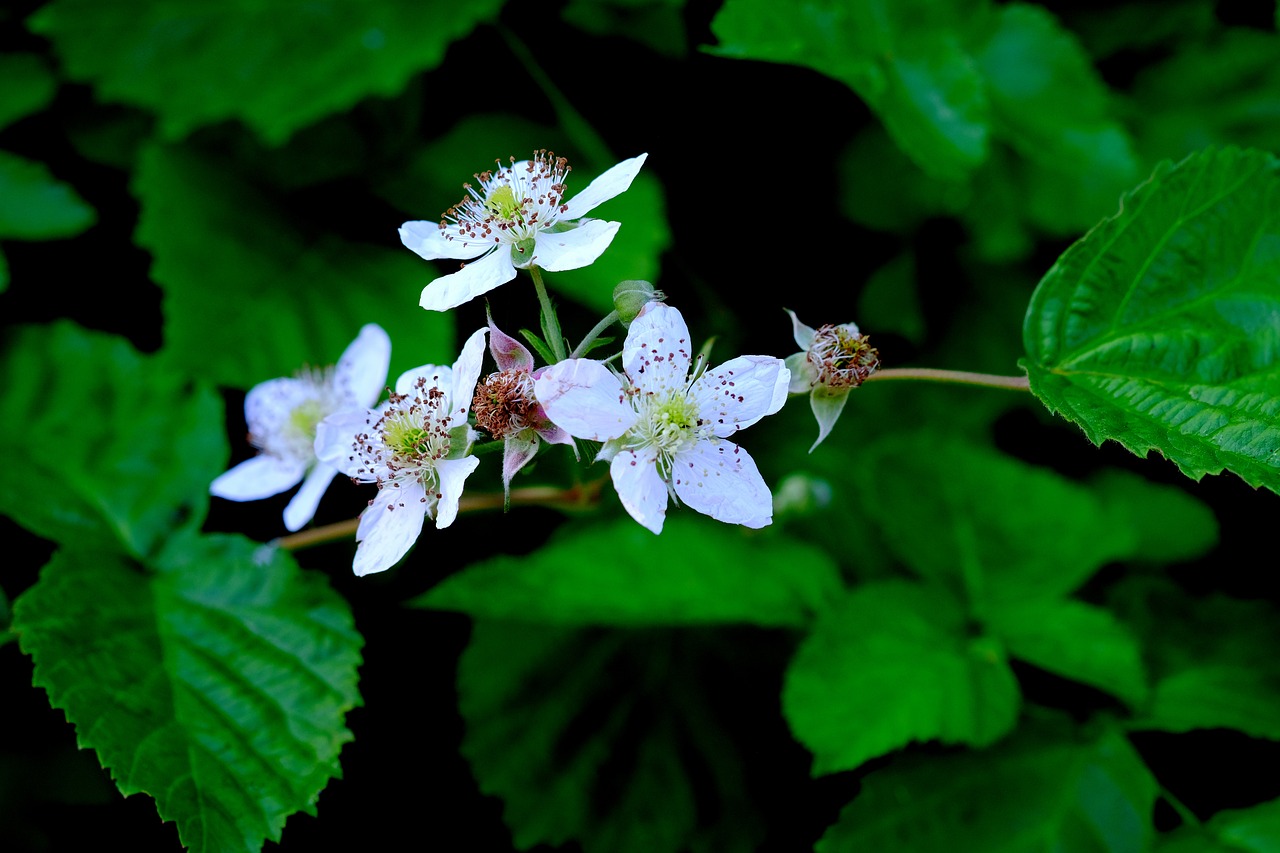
(302, 508)
(827, 406)
(430, 241)
(657, 352)
(613, 182)
(438, 375)
(452, 473)
(450, 291)
(388, 528)
(741, 391)
(568, 250)
(640, 488)
(335, 437)
(466, 373)
(584, 398)
(260, 477)
(508, 353)
(269, 405)
(720, 479)
(361, 373)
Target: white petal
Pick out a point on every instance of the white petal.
(613, 182)
(657, 352)
(361, 373)
(803, 334)
(269, 405)
(584, 398)
(721, 480)
(428, 240)
(388, 528)
(466, 373)
(570, 250)
(827, 407)
(439, 375)
(640, 488)
(303, 506)
(452, 474)
(335, 438)
(741, 391)
(257, 478)
(450, 291)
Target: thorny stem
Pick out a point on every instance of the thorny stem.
(962, 377)
(550, 324)
(581, 349)
(580, 496)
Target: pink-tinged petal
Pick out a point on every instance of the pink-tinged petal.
(827, 407)
(640, 488)
(475, 278)
(613, 182)
(466, 373)
(740, 392)
(302, 508)
(452, 474)
(803, 334)
(388, 528)
(335, 438)
(657, 353)
(516, 453)
(803, 374)
(430, 241)
(721, 480)
(584, 398)
(438, 375)
(508, 353)
(361, 374)
(570, 250)
(257, 478)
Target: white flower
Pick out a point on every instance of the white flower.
(833, 361)
(518, 217)
(414, 448)
(282, 415)
(665, 430)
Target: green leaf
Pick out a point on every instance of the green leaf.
(696, 572)
(907, 60)
(249, 297)
(891, 664)
(4, 273)
(275, 67)
(1170, 524)
(615, 739)
(26, 86)
(34, 205)
(217, 682)
(889, 301)
(1251, 830)
(118, 451)
(1158, 329)
(1038, 791)
(657, 24)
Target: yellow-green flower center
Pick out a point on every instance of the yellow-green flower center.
(306, 416)
(502, 203)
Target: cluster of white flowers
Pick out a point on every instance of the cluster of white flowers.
(664, 419)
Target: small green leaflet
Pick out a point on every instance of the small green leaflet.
(34, 205)
(1160, 328)
(26, 86)
(1251, 830)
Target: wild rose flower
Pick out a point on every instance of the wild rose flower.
(282, 416)
(665, 430)
(517, 217)
(832, 362)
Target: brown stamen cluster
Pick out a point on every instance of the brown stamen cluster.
(844, 359)
(504, 403)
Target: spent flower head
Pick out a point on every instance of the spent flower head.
(516, 217)
(833, 361)
(665, 428)
(282, 416)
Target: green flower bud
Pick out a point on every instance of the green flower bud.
(630, 297)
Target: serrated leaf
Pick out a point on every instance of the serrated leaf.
(118, 450)
(1251, 830)
(907, 60)
(275, 67)
(248, 297)
(216, 682)
(890, 664)
(1039, 790)
(598, 737)
(1160, 329)
(697, 572)
(34, 205)
(26, 86)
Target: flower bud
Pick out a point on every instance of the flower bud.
(630, 297)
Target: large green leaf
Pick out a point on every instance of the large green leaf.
(1251, 830)
(1160, 329)
(1170, 524)
(1038, 791)
(116, 449)
(26, 86)
(696, 572)
(891, 664)
(248, 297)
(34, 205)
(275, 66)
(907, 60)
(216, 681)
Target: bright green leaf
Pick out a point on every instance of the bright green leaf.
(217, 682)
(696, 572)
(1035, 792)
(34, 205)
(891, 664)
(248, 297)
(26, 86)
(275, 66)
(1160, 329)
(116, 449)
(1251, 830)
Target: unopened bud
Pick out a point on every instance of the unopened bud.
(630, 297)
